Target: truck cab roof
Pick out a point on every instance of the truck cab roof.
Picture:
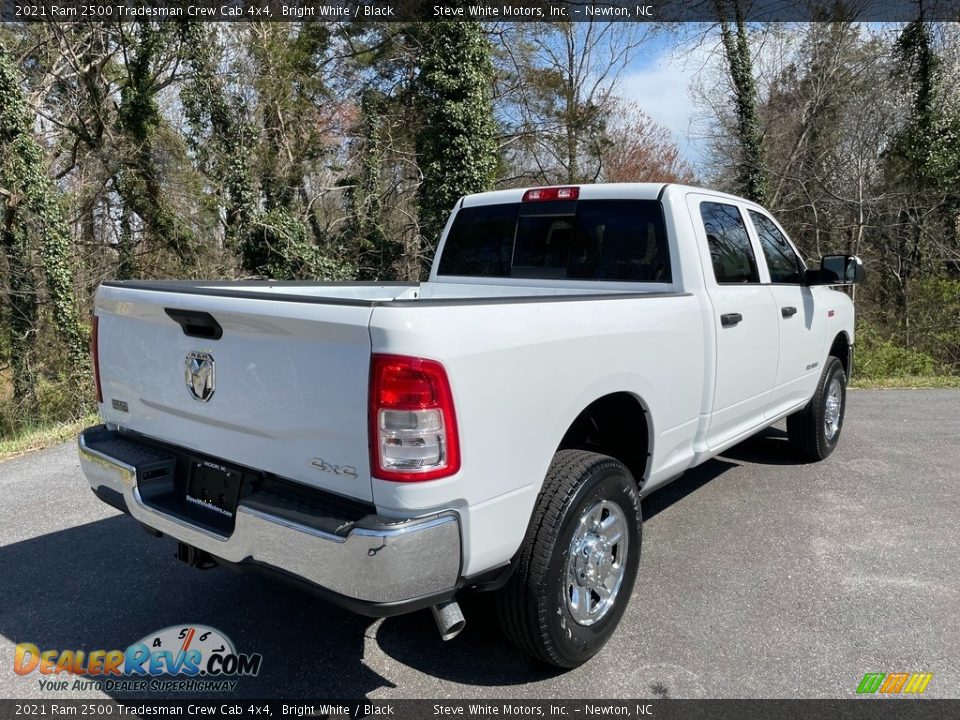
(596, 191)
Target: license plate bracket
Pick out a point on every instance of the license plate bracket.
(214, 487)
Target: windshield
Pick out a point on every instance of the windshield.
(613, 240)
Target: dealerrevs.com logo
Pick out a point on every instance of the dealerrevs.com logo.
(180, 658)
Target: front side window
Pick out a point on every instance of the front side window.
(729, 243)
(782, 262)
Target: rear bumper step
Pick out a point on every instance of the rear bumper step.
(374, 561)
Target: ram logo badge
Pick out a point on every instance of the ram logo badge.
(200, 374)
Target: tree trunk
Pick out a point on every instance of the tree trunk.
(37, 203)
(570, 99)
(456, 145)
(126, 265)
(751, 181)
(139, 119)
(22, 302)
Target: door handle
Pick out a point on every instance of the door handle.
(730, 319)
(788, 311)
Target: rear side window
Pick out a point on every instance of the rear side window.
(619, 240)
(782, 262)
(730, 249)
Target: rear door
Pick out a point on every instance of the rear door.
(744, 316)
(801, 326)
(283, 389)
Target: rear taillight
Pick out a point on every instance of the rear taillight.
(413, 427)
(551, 193)
(95, 354)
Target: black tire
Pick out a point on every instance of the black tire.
(532, 606)
(807, 429)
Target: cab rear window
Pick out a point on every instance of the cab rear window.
(613, 240)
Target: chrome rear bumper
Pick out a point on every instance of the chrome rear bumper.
(380, 561)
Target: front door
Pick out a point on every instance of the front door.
(801, 325)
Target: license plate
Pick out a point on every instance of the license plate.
(214, 487)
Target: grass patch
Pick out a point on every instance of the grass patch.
(43, 436)
(906, 382)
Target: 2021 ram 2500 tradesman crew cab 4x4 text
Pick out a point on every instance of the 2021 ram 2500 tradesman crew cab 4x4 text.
(389, 445)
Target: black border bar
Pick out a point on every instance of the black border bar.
(857, 708)
(485, 10)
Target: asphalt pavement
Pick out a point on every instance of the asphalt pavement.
(759, 577)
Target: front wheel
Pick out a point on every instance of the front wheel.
(815, 431)
(578, 563)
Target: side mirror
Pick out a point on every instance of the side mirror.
(837, 270)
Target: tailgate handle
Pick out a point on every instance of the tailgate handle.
(196, 323)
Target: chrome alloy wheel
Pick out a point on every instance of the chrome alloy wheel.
(831, 412)
(596, 562)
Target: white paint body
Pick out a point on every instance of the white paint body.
(292, 377)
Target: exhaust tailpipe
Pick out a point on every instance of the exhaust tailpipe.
(449, 619)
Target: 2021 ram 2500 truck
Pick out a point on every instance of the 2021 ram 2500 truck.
(494, 428)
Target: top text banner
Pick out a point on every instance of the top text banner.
(485, 10)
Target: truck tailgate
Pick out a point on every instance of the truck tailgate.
(289, 391)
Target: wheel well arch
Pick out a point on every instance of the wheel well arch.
(616, 425)
(841, 350)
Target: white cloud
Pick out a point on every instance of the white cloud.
(663, 89)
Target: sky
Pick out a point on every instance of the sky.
(659, 79)
(662, 71)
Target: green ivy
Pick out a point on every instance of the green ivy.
(456, 145)
(218, 137)
(139, 120)
(751, 180)
(34, 202)
(928, 148)
(277, 245)
(376, 250)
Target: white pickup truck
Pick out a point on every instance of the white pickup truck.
(494, 428)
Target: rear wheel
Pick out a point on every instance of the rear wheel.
(578, 563)
(815, 431)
